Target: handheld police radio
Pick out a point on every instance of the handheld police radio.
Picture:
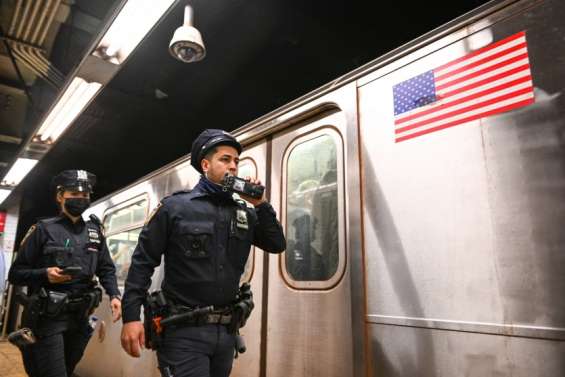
(241, 186)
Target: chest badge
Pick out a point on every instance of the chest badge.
(241, 219)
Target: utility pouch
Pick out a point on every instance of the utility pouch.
(22, 337)
(56, 302)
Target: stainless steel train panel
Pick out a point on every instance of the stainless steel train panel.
(409, 351)
(463, 227)
(310, 323)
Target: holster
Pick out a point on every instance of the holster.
(56, 302)
(241, 309)
(92, 300)
(34, 307)
(155, 309)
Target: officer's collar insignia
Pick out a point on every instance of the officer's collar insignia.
(241, 219)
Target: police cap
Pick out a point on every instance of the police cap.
(74, 180)
(207, 140)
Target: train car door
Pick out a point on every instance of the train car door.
(312, 317)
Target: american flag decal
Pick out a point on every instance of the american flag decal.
(488, 81)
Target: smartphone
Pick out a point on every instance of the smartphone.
(72, 270)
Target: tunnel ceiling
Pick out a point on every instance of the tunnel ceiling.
(261, 54)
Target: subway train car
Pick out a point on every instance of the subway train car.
(423, 200)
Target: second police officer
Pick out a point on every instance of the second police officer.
(57, 261)
(205, 237)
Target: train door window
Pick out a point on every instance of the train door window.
(247, 168)
(126, 215)
(121, 246)
(313, 198)
(123, 224)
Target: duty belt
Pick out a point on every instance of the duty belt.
(185, 316)
(218, 316)
(76, 304)
(222, 319)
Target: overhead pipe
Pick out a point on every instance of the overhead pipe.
(41, 22)
(41, 62)
(43, 35)
(31, 22)
(23, 20)
(24, 58)
(15, 18)
(16, 67)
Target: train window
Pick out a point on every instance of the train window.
(121, 246)
(123, 224)
(247, 168)
(127, 215)
(312, 224)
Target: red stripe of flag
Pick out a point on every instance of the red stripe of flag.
(482, 71)
(468, 119)
(465, 109)
(486, 81)
(480, 61)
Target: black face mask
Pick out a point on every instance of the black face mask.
(76, 206)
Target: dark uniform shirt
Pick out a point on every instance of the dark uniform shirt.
(87, 249)
(206, 241)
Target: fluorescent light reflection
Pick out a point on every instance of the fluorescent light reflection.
(18, 171)
(135, 20)
(72, 102)
(3, 195)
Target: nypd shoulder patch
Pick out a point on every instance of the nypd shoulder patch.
(29, 233)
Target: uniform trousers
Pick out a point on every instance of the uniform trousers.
(57, 354)
(196, 351)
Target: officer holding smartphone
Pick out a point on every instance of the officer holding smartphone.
(205, 235)
(57, 261)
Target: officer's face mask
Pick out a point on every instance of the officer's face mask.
(76, 206)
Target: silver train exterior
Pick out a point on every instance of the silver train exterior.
(443, 255)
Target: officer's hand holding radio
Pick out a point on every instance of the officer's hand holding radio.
(247, 188)
(254, 201)
(55, 275)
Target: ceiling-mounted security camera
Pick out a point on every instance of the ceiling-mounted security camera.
(187, 45)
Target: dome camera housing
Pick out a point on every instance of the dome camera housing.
(187, 45)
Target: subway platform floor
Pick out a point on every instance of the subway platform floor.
(10, 361)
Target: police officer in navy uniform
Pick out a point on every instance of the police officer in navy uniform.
(62, 329)
(205, 236)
